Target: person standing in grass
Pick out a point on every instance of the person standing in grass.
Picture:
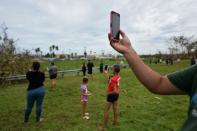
(90, 66)
(83, 68)
(180, 82)
(106, 68)
(112, 97)
(84, 97)
(53, 74)
(35, 92)
(101, 67)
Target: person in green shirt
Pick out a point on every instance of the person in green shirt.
(180, 82)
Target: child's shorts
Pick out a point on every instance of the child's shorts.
(84, 98)
(112, 97)
(53, 76)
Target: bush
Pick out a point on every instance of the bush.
(11, 63)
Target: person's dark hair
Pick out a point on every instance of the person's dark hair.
(116, 68)
(36, 66)
(52, 63)
(85, 80)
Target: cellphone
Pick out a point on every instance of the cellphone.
(115, 25)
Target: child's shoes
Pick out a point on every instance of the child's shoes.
(86, 114)
(86, 117)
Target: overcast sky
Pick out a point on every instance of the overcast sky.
(75, 24)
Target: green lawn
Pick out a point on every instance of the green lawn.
(74, 64)
(139, 110)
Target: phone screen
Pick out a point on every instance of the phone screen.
(115, 25)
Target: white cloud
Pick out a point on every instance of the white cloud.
(73, 24)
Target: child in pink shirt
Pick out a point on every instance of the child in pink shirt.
(84, 97)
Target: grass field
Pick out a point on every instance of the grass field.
(74, 64)
(139, 110)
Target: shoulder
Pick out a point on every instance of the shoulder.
(29, 72)
(41, 73)
(192, 70)
(183, 79)
(195, 67)
(115, 78)
(83, 86)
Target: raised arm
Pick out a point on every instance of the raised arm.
(152, 80)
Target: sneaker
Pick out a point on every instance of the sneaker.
(25, 122)
(40, 120)
(86, 114)
(86, 117)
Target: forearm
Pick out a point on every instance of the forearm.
(85, 94)
(106, 75)
(155, 82)
(145, 74)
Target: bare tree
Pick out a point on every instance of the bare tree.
(9, 59)
(183, 43)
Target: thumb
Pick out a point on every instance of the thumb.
(122, 33)
(109, 37)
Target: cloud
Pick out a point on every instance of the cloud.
(73, 24)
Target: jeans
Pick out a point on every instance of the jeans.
(32, 96)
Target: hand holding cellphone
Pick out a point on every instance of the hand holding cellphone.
(115, 25)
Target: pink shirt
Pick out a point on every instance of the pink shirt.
(84, 89)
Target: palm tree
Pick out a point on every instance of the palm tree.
(52, 49)
(37, 50)
(57, 48)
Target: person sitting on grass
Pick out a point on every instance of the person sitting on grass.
(84, 97)
(53, 74)
(180, 82)
(35, 92)
(112, 97)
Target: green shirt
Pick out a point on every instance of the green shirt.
(186, 80)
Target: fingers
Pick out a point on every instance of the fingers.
(109, 37)
(122, 33)
(112, 40)
(112, 44)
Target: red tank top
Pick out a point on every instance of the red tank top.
(114, 84)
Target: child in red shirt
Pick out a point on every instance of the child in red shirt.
(112, 96)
